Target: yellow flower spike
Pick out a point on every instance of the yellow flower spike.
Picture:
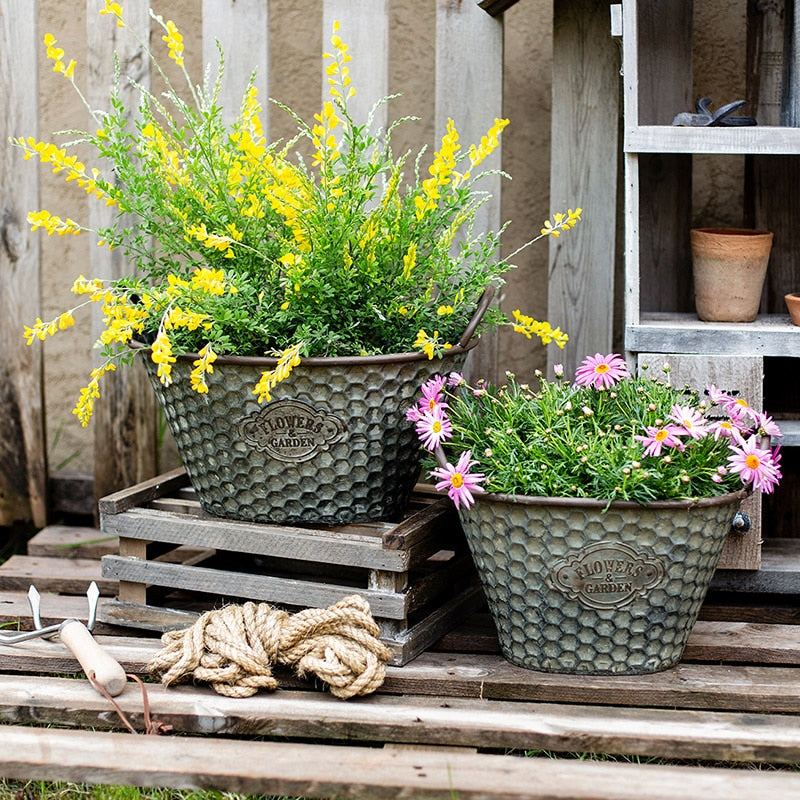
(202, 367)
(162, 355)
(174, 42)
(287, 361)
(115, 9)
(85, 405)
(529, 327)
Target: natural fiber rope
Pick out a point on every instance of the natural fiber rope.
(234, 648)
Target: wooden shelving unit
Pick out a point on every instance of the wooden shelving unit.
(660, 323)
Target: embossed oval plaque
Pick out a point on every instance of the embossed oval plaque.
(606, 575)
(291, 430)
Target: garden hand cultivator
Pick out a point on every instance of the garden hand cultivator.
(100, 668)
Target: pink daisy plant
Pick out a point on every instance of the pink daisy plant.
(601, 372)
(756, 465)
(458, 480)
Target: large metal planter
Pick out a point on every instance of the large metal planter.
(333, 446)
(579, 589)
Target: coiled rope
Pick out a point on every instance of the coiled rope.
(234, 648)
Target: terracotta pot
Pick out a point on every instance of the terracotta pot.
(729, 265)
(793, 304)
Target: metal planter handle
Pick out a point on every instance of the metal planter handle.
(483, 305)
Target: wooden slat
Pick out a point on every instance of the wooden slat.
(495, 7)
(327, 770)
(741, 688)
(23, 460)
(143, 492)
(762, 689)
(440, 721)
(259, 539)
(365, 29)
(664, 89)
(744, 641)
(266, 588)
(771, 195)
(124, 420)
(71, 576)
(72, 541)
(583, 169)
(242, 28)
(463, 31)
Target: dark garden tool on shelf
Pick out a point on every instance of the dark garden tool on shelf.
(103, 672)
(722, 116)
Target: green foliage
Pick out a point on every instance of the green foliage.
(569, 440)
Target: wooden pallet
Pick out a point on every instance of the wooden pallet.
(416, 574)
(453, 722)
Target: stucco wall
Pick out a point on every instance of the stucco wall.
(295, 47)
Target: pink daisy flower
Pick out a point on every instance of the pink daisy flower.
(756, 465)
(414, 414)
(458, 481)
(656, 438)
(455, 379)
(432, 393)
(433, 427)
(717, 396)
(691, 420)
(601, 372)
(725, 429)
(738, 410)
(765, 425)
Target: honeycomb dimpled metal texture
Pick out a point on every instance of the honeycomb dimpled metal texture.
(333, 446)
(574, 589)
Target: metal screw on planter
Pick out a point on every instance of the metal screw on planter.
(332, 447)
(580, 586)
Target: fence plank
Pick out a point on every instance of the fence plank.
(242, 28)
(469, 89)
(366, 31)
(124, 418)
(23, 465)
(583, 173)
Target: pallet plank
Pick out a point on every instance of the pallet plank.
(361, 548)
(314, 770)
(72, 541)
(486, 724)
(70, 576)
(688, 686)
(257, 587)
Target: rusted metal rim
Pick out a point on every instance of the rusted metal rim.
(465, 343)
(591, 502)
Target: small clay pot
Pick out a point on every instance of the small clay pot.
(793, 304)
(729, 266)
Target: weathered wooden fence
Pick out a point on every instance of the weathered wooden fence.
(468, 84)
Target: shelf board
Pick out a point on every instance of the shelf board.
(779, 573)
(769, 335)
(757, 139)
(790, 428)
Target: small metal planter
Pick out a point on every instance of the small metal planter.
(333, 446)
(576, 589)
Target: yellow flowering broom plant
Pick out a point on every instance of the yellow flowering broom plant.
(326, 245)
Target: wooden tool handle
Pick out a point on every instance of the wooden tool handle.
(96, 662)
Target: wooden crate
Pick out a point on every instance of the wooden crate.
(416, 574)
